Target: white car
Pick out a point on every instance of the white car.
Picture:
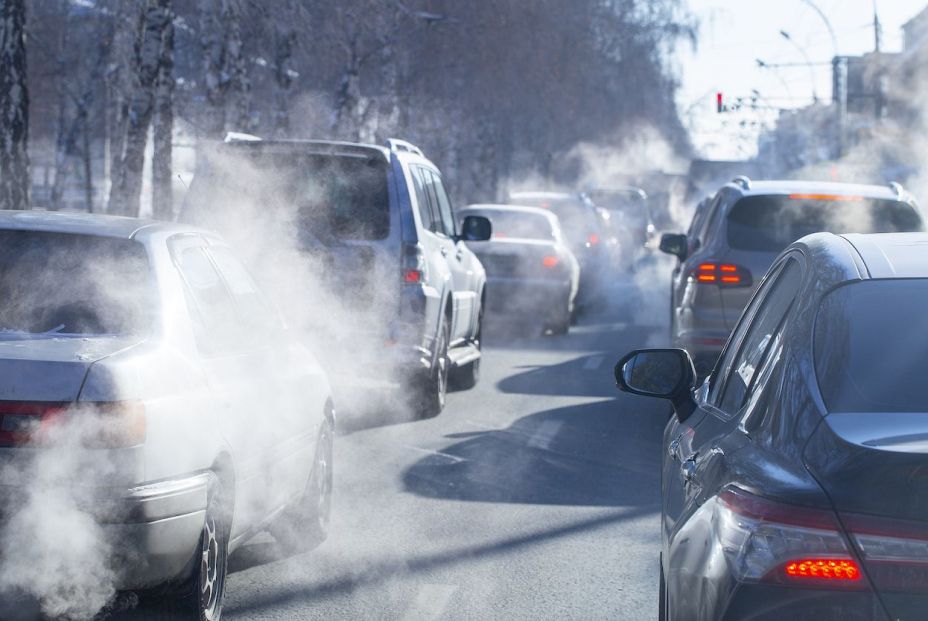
(143, 363)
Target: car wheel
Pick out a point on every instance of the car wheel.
(561, 325)
(429, 395)
(200, 595)
(466, 377)
(305, 525)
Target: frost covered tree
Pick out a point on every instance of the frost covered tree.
(14, 107)
(163, 128)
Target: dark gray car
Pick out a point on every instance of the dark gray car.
(738, 233)
(793, 479)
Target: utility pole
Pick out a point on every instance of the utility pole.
(879, 94)
(839, 99)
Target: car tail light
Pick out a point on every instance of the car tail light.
(593, 239)
(722, 274)
(827, 197)
(894, 552)
(413, 264)
(767, 541)
(117, 424)
(550, 261)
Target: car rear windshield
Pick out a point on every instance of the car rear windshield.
(771, 223)
(521, 225)
(578, 220)
(57, 283)
(632, 207)
(870, 352)
(332, 197)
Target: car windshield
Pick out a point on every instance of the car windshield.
(771, 223)
(332, 197)
(520, 225)
(56, 283)
(870, 354)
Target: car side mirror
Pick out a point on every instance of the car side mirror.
(476, 228)
(662, 373)
(675, 244)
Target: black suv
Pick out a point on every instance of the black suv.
(396, 295)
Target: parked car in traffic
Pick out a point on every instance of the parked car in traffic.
(143, 361)
(630, 217)
(743, 228)
(792, 479)
(586, 234)
(378, 220)
(532, 276)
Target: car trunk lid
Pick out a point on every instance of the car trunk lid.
(51, 368)
(875, 469)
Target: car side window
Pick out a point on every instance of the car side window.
(764, 328)
(444, 205)
(214, 314)
(258, 316)
(712, 217)
(726, 360)
(423, 200)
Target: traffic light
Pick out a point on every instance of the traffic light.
(718, 103)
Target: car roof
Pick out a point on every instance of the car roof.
(536, 211)
(84, 223)
(789, 186)
(892, 255)
(553, 196)
(311, 147)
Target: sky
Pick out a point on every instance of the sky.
(734, 33)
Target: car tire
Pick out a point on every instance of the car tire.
(467, 376)
(429, 391)
(199, 595)
(305, 525)
(561, 325)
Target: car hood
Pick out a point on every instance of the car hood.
(51, 368)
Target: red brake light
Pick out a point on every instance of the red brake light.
(823, 569)
(117, 424)
(550, 261)
(412, 277)
(594, 239)
(725, 274)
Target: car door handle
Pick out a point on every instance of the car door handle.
(688, 470)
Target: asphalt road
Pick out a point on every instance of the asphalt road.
(533, 496)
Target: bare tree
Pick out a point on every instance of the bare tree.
(163, 130)
(14, 107)
(154, 22)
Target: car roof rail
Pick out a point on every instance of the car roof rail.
(240, 137)
(395, 144)
(743, 180)
(897, 188)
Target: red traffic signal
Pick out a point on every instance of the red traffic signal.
(718, 103)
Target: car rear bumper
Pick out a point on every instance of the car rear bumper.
(756, 602)
(539, 297)
(153, 530)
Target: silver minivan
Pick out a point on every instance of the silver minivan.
(737, 234)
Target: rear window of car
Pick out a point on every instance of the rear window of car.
(577, 218)
(518, 225)
(870, 353)
(771, 223)
(58, 283)
(331, 197)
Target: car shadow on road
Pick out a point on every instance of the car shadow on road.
(605, 453)
(584, 376)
